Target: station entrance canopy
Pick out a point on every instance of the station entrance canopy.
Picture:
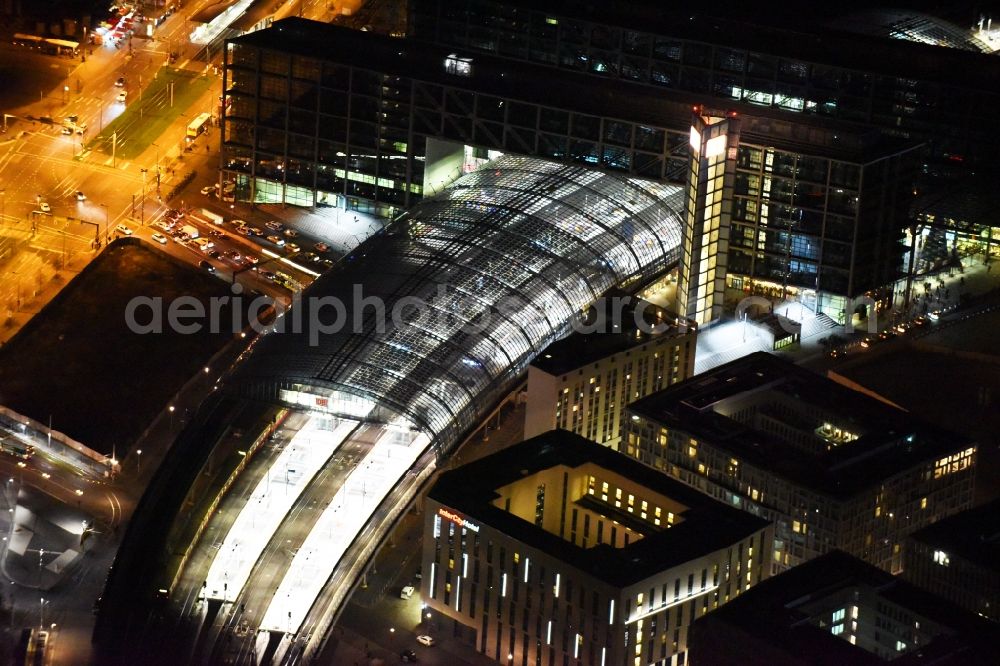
(445, 308)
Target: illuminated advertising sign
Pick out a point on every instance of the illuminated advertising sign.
(458, 520)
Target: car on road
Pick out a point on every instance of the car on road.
(424, 639)
(237, 222)
(251, 258)
(160, 238)
(277, 240)
(209, 190)
(290, 233)
(406, 592)
(268, 275)
(120, 83)
(122, 229)
(274, 225)
(45, 207)
(216, 233)
(67, 130)
(174, 214)
(321, 247)
(408, 656)
(207, 266)
(121, 97)
(80, 196)
(215, 254)
(69, 120)
(293, 247)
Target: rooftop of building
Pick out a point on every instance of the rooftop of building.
(610, 330)
(790, 29)
(973, 535)
(779, 611)
(536, 84)
(707, 525)
(880, 440)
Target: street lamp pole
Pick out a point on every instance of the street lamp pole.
(142, 206)
(138, 461)
(105, 207)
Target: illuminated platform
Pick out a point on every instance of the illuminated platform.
(269, 504)
(340, 525)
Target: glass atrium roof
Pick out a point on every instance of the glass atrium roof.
(462, 292)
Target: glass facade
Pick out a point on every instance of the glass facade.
(939, 110)
(443, 310)
(305, 131)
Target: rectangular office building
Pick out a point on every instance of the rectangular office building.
(583, 382)
(831, 467)
(558, 550)
(837, 610)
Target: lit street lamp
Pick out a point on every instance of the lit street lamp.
(41, 612)
(138, 461)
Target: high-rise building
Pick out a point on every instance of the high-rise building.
(833, 468)
(558, 550)
(702, 277)
(958, 558)
(838, 610)
(583, 382)
(308, 122)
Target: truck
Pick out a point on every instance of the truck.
(207, 216)
(198, 125)
(191, 231)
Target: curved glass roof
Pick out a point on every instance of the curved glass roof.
(462, 292)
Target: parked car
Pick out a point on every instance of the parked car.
(424, 639)
(120, 83)
(80, 196)
(67, 130)
(209, 189)
(45, 207)
(121, 97)
(160, 238)
(321, 247)
(408, 656)
(406, 592)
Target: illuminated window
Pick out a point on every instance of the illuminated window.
(458, 66)
(923, 502)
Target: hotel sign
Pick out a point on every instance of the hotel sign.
(458, 520)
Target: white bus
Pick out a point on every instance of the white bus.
(198, 126)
